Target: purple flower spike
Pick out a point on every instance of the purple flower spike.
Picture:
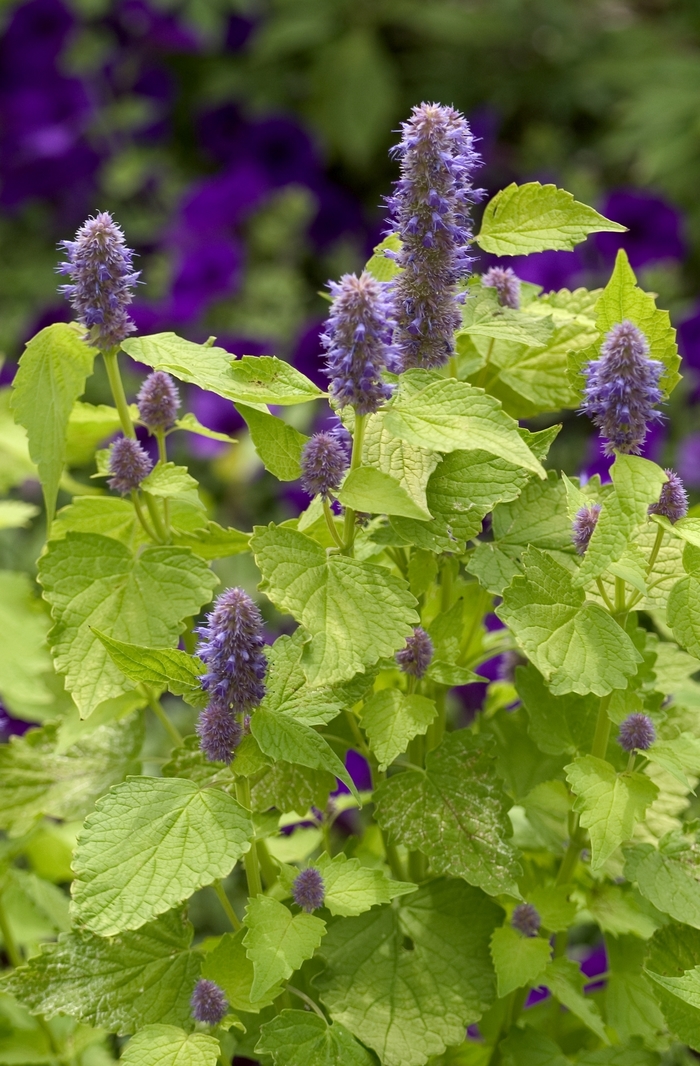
(128, 464)
(101, 268)
(622, 389)
(219, 733)
(208, 1003)
(358, 342)
(430, 213)
(323, 464)
(636, 732)
(583, 525)
(158, 401)
(526, 919)
(506, 283)
(673, 501)
(308, 889)
(231, 646)
(416, 657)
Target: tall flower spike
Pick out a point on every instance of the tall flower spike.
(358, 342)
(100, 266)
(673, 501)
(308, 889)
(506, 283)
(129, 464)
(208, 1003)
(324, 461)
(622, 389)
(158, 401)
(416, 657)
(583, 525)
(430, 213)
(637, 731)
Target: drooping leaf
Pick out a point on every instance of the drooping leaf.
(150, 844)
(93, 581)
(409, 464)
(300, 1038)
(566, 982)
(278, 444)
(162, 667)
(118, 983)
(191, 424)
(576, 645)
(277, 942)
(518, 960)
(355, 612)
(166, 1045)
(670, 876)
(673, 967)
(282, 737)
(286, 688)
(375, 492)
(391, 719)
(231, 969)
(51, 377)
(406, 981)
(521, 219)
(455, 812)
(609, 803)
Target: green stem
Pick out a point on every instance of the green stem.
(631, 761)
(355, 730)
(608, 602)
(355, 462)
(307, 999)
(452, 366)
(117, 387)
(189, 637)
(269, 870)
(162, 717)
(436, 729)
(163, 458)
(619, 595)
(602, 729)
(250, 859)
(330, 522)
(140, 515)
(161, 531)
(226, 905)
(656, 549)
(393, 859)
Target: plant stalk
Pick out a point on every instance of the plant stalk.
(250, 859)
(226, 905)
(355, 462)
(162, 717)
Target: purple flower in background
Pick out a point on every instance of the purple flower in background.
(689, 340)
(583, 526)
(526, 919)
(308, 354)
(308, 889)
(622, 389)
(430, 211)
(231, 646)
(156, 29)
(219, 202)
(506, 283)
(209, 1003)
(101, 268)
(207, 272)
(636, 732)
(551, 270)
(219, 732)
(324, 461)
(416, 657)
(673, 501)
(357, 342)
(128, 464)
(158, 401)
(688, 460)
(654, 228)
(283, 150)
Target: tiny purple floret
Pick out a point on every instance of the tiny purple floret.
(673, 501)
(219, 732)
(506, 283)
(416, 657)
(208, 1003)
(158, 401)
(583, 526)
(324, 461)
(308, 889)
(526, 919)
(129, 464)
(636, 732)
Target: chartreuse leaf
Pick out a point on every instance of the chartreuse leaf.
(162, 667)
(679, 755)
(119, 983)
(455, 812)
(557, 724)
(381, 266)
(166, 480)
(576, 646)
(278, 444)
(409, 464)
(351, 888)
(212, 541)
(300, 1038)
(518, 959)
(51, 377)
(483, 316)
(16, 514)
(291, 787)
(530, 1047)
(166, 1045)
(391, 719)
(231, 969)
(286, 689)
(374, 492)
(355, 612)
(24, 656)
(88, 426)
(617, 911)
(521, 219)
(566, 982)
(282, 737)
(609, 803)
(673, 967)
(637, 483)
(446, 414)
(95, 581)
(683, 613)
(407, 980)
(670, 876)
(150, 843)
(630, 1005)
(266, 379)
(277, 942)
(553, 905)
(191, 424)
(38, 776)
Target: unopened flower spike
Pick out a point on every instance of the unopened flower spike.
(129, 464)
(583, 526)
(158, 401)
(208, 1003)
(100, 266)
(308, 889)
(636, 732)
(357, 341)
(416, 657)
(526, 919)
(430, 210)
(232, 648)
(324, 461)
(622, 389)
(673, 500)
(506, 283)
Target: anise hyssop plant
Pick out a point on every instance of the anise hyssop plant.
(436, 910)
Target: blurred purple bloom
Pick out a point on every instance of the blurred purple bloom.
(155, 28)
(506, 283)
(308, 354)
(283, 150)
(551, 270)
(217, 203)
(688, 460)
(207, 272)
(33, 39)
(654, 228)
(526, 919)
(689, 340)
